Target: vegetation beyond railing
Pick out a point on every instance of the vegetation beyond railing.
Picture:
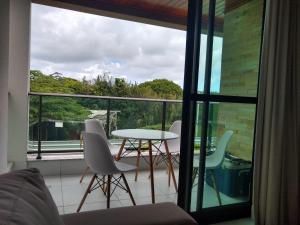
(56, 120)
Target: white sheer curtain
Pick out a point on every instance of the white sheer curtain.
(277, 168)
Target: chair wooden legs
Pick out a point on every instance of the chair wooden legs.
(105, 188)
(214, 182)
(109, 188)
(169, 169)
(88, 190)
(128, 188)
(84, 174)
(215, 186)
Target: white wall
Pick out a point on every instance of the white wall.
(18, 82)
(4, 53)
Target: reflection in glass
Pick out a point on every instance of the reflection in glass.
(236, 48)
(33, 121)
(203, 44)
(228, 156)
(197, 146)
(137, 114)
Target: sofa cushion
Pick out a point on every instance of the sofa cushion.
(157, 214)
(25, 200)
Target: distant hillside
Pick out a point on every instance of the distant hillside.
(57, 83)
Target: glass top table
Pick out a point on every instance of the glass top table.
(144, 134)
(149, 136)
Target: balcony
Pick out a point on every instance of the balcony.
(54, 146)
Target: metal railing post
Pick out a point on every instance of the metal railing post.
(39, 155)
(164, 115)
(108, 118)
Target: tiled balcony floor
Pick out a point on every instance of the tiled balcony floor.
(67, 192)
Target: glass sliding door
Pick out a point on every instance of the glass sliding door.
(219, 109)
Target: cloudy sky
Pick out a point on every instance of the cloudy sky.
(78, 44)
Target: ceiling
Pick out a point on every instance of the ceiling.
(168, 13)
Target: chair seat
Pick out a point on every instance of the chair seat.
(124, 167)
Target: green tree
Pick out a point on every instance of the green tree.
(132, 114)
(164, 88)
(121, 88)
(101, 86)
(65, 109)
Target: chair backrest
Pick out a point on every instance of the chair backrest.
(97, 154)
(94, 126)
(217, 157)
(176, 127)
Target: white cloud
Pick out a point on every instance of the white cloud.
(77, 44)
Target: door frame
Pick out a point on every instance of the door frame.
(190, 99)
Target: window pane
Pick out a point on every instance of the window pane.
(230, 132)
(202, 56)
(137, 114)
(236, 47)
(33, 123)
(62, 123)
(228, 172)
(197, 145)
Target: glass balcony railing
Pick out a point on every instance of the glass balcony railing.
(57, 120)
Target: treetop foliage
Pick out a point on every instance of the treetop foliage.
(131, 114)
(103, 85)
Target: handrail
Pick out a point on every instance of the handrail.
(103, 97)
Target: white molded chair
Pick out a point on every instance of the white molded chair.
(214, 161)
(104, 167)
(174, 149)
(95, 126)
(174, 145)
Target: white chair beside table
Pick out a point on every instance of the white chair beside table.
(104, 167)
(174, 150)
(95, 126)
